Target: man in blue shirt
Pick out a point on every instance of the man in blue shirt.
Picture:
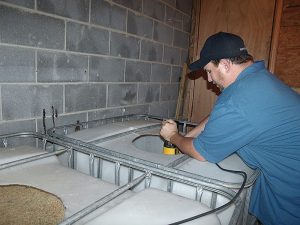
(256, 116)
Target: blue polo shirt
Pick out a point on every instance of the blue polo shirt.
(258, 117)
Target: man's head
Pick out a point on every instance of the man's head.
(218, 57)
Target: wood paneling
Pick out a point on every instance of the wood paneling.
(290, 13)
(251, 19)
(286, 62)
(297, 90)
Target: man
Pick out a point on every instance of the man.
(256, 116)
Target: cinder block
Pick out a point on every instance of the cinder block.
(17, 64)
(124, 46)
(148, 93)
(160, 73)
(108, 15)
(184, 6)
(186, 23)
(173, 17)
(105, 113)
(122, 94)
(52, 67)
(137, 109)
(170, 2)
(154, 9)
(132, 4)
(139, 25)
(16, 126)
(80, 97)
(82, 38)
(184, 56)
(24, 28)
(151, 51)
(181, 39)
(75, 9)
(172, 108)
(113, 112)
(27, 3)
(103, 69)
(162, 33)
(137, 71)
(27, 101)
(159, 109)
(91, 58)
(169, 92)
(121, 111)
(171, 55)
(176, 74)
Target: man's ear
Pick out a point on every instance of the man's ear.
(225, 65)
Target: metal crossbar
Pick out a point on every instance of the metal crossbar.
(148, 170)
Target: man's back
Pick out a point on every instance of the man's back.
(273, 111)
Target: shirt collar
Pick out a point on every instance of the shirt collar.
(256, 66)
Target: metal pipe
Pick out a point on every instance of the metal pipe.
(30, 159)
(100, 164)
(117, 173)
(131, 162)
(91, 164)
(250, 180)
(95, 205)
(122, 118)
(140, 164)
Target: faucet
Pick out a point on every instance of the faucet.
(54, 114)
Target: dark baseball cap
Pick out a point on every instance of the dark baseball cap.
(219, 46)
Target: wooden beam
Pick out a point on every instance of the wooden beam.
(193, 55)
(181, 92)
(275, 35)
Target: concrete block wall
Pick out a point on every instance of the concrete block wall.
(89, 59)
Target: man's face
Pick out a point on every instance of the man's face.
(215, 75)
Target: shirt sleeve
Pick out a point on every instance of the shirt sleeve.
(226, 131)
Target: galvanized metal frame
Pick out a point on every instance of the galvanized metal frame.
(183, 124)
(149, 169)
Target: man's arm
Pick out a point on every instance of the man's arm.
(185, 144)
(197, 130)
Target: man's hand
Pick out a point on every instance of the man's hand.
(168, 129)
(185, 144)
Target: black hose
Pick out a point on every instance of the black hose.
(44, 121)
(221, 207)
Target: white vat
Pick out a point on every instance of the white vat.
(155, 207)
(78, 191)
(137, 139)
(75, 189)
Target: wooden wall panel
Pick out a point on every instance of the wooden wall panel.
(212, 16)
(288, 56)
(290, 13)
(287, 66)
(251, 19)
(297, 90)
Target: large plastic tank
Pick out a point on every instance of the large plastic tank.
(35, 167)
(155, 207)
(140, 139)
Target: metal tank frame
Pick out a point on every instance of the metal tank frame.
(60, 132)
(49, 144)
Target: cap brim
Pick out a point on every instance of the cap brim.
(199, 64)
